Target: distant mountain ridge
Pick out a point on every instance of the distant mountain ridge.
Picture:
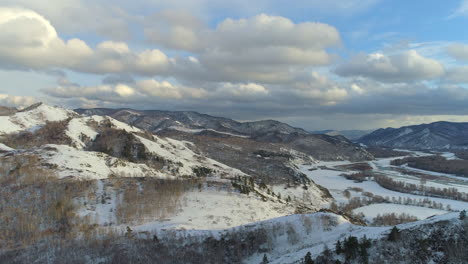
(157, 120)
(440, 135)
(319, 146)
(352, 135)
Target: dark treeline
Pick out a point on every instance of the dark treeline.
(420, 189)
(435, 163)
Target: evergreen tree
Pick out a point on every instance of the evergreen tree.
(338, 248)
(265, 259)
(363, 246)
(308, 259)
(351, 247)
(394, 234)
(462, 214)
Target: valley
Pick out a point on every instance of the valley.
(101, 187)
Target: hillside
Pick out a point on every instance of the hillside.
(323, 147)
(433, 136)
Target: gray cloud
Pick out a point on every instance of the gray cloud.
(402, 67)
(458, 51)
(457, 75)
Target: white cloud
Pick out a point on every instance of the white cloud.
(29, 41)
(403, 67)
(263, 48)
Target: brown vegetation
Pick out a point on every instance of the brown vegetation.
(51, 133)
(141, 199)
(393, 219)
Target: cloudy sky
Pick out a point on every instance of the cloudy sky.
(335, 64)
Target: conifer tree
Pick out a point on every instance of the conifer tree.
(308, 259)
(394, 234)
(462, 214)
(338, 248)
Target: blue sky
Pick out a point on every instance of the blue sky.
(339, 64)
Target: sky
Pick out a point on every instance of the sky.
(336, 64)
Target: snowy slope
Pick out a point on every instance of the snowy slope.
(33, 118)
(71, 162)
(178, 152)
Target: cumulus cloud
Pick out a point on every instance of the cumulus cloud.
(262, 48)
(403, 67)
(29, 41)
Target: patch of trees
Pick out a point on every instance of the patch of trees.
(53, 132)
(354, 249)
(400, 186)
(121, 144)
(245, 185)
(393, 219)
(442, 242)
(35, 205)
(356, 177)
(435, 163)
(168, 247)
(202, 171)
(361, 166)
(138, 199)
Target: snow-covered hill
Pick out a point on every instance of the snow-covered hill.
(33, 117)
(75, 159)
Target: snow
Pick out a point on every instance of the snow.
(371, 211)
(101, 213)
(218, 210)
(4, 147)
(77, 128)
(178, 152)
(331, 180)
(71, 162)
(193, 130)
(33, 119)
(312, 195)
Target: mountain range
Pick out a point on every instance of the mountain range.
(172, 123)
(434, 136)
